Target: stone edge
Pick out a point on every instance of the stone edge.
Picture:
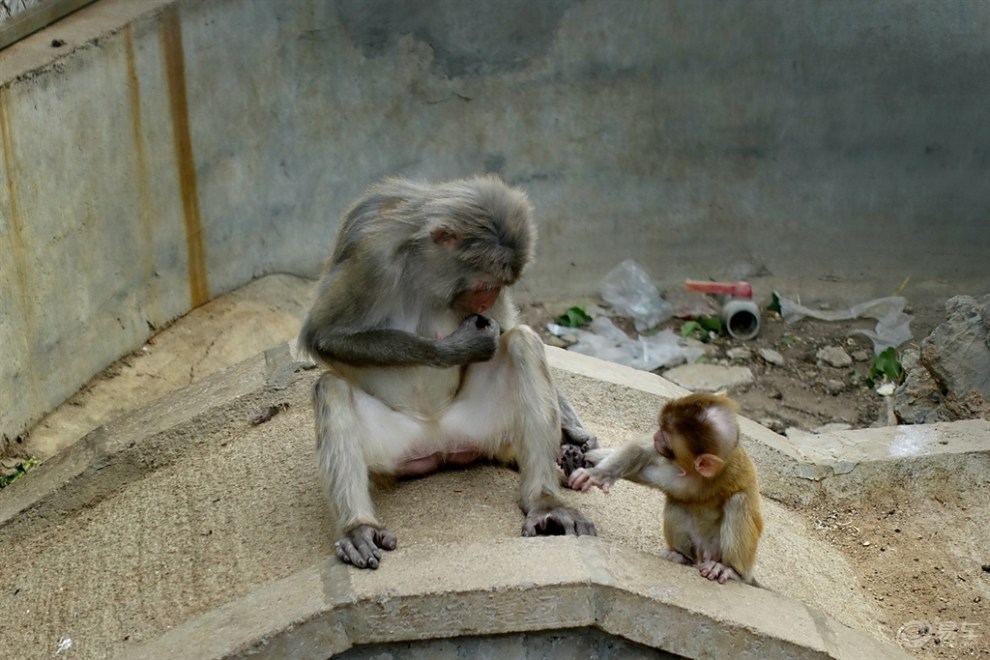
(329, 608)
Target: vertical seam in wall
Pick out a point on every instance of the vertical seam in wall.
(170, 33)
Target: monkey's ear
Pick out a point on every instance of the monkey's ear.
(708, 465)
(445, 236)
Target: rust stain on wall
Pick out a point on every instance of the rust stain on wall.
(170, 33)
(19, 257)
(145, 206)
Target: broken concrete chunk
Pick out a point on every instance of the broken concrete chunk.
(835, 356)
(709, 377)
(772, 356)
(739, 353)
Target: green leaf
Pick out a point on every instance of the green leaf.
(19, 472)
(711, 323)
(774, 305)
(887, 365)
(575, 317)
(702, 328)
(690, 328)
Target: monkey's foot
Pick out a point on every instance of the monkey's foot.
(571, 458)
(676, 557)
(578, 438)
(713, 570)
(362, 546)
(557, 521)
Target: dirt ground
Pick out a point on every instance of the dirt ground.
(925, 562)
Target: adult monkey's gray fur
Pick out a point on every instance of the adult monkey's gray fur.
(416, 376)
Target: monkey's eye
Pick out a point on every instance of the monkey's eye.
(663, 445)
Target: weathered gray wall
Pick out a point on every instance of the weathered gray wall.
(212, 141)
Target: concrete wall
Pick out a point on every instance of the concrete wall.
(174, 150)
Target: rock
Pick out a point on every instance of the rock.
(860, 356)
(773, 424)
(918, 399)
(772, 356)
(950, 378)
(739, 353)
(834, 387)
(709, 377)
(835, 356)
(957, 355)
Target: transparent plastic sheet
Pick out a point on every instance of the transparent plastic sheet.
(604, 340)
(892, 323)
(630, 291)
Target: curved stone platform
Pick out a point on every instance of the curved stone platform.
(184, 526)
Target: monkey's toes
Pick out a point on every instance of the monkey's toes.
(361, 547)
(561, 521)
(571, 458)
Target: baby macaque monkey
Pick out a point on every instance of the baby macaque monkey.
(712, 514)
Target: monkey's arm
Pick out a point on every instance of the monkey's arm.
(474, 341)
(610, 465)
(742, 524)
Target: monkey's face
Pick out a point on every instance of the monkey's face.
(671, 447)
(487, 261)
(479, 298)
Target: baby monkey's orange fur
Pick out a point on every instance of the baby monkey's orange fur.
(712, 516)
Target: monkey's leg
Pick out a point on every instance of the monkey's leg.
(676, 531)
(508, 407)
(536, 438)
(742, 524)
(343, 447)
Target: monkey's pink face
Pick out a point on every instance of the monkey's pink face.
(481, 298)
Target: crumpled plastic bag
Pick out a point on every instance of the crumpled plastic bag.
(604, 340)
(630, 291)
(892, 323)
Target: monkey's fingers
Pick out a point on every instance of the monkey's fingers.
(580, 480)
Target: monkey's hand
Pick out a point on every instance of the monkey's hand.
(557, 521)
(584, 478)
(474, 341)
(362, 546)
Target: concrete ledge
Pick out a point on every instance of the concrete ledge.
(512, 586)
(131, 446)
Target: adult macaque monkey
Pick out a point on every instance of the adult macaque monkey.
(711, 516)
(426, 365)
